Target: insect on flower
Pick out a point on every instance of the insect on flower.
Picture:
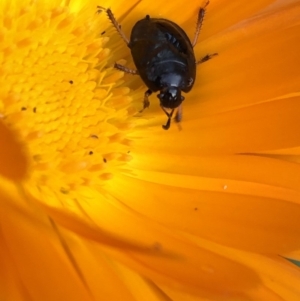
(164, 58)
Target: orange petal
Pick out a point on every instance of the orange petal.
(13, 160)
(242, 201)
(35, 261)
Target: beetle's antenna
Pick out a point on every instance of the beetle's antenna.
(199, 23)
(114, 22)
(167, 125)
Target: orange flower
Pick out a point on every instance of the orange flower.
(99, 203)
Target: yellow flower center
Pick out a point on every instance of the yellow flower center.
(60, 92)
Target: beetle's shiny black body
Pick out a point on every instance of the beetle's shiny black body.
(164, 57)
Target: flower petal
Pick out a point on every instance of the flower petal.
(37, 271)
(246, 202)
(11, 151)
(162, 251)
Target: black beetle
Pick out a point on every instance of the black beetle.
(164, 57)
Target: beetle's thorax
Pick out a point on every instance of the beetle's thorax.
(167, 78)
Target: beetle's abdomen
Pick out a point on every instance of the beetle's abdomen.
(160, 49)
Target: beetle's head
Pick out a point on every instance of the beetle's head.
(170, 97)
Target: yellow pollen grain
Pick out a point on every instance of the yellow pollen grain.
(115, 76)
(60, 92)
(96, 167)
(106, 176)
(111, 156)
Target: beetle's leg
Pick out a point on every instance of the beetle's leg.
(125, 69)
(206, 58)
(114, 22)
(178, 115)
(199, 23)
(167, 125)
(146, 100)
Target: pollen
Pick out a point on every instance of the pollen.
(60, 93)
